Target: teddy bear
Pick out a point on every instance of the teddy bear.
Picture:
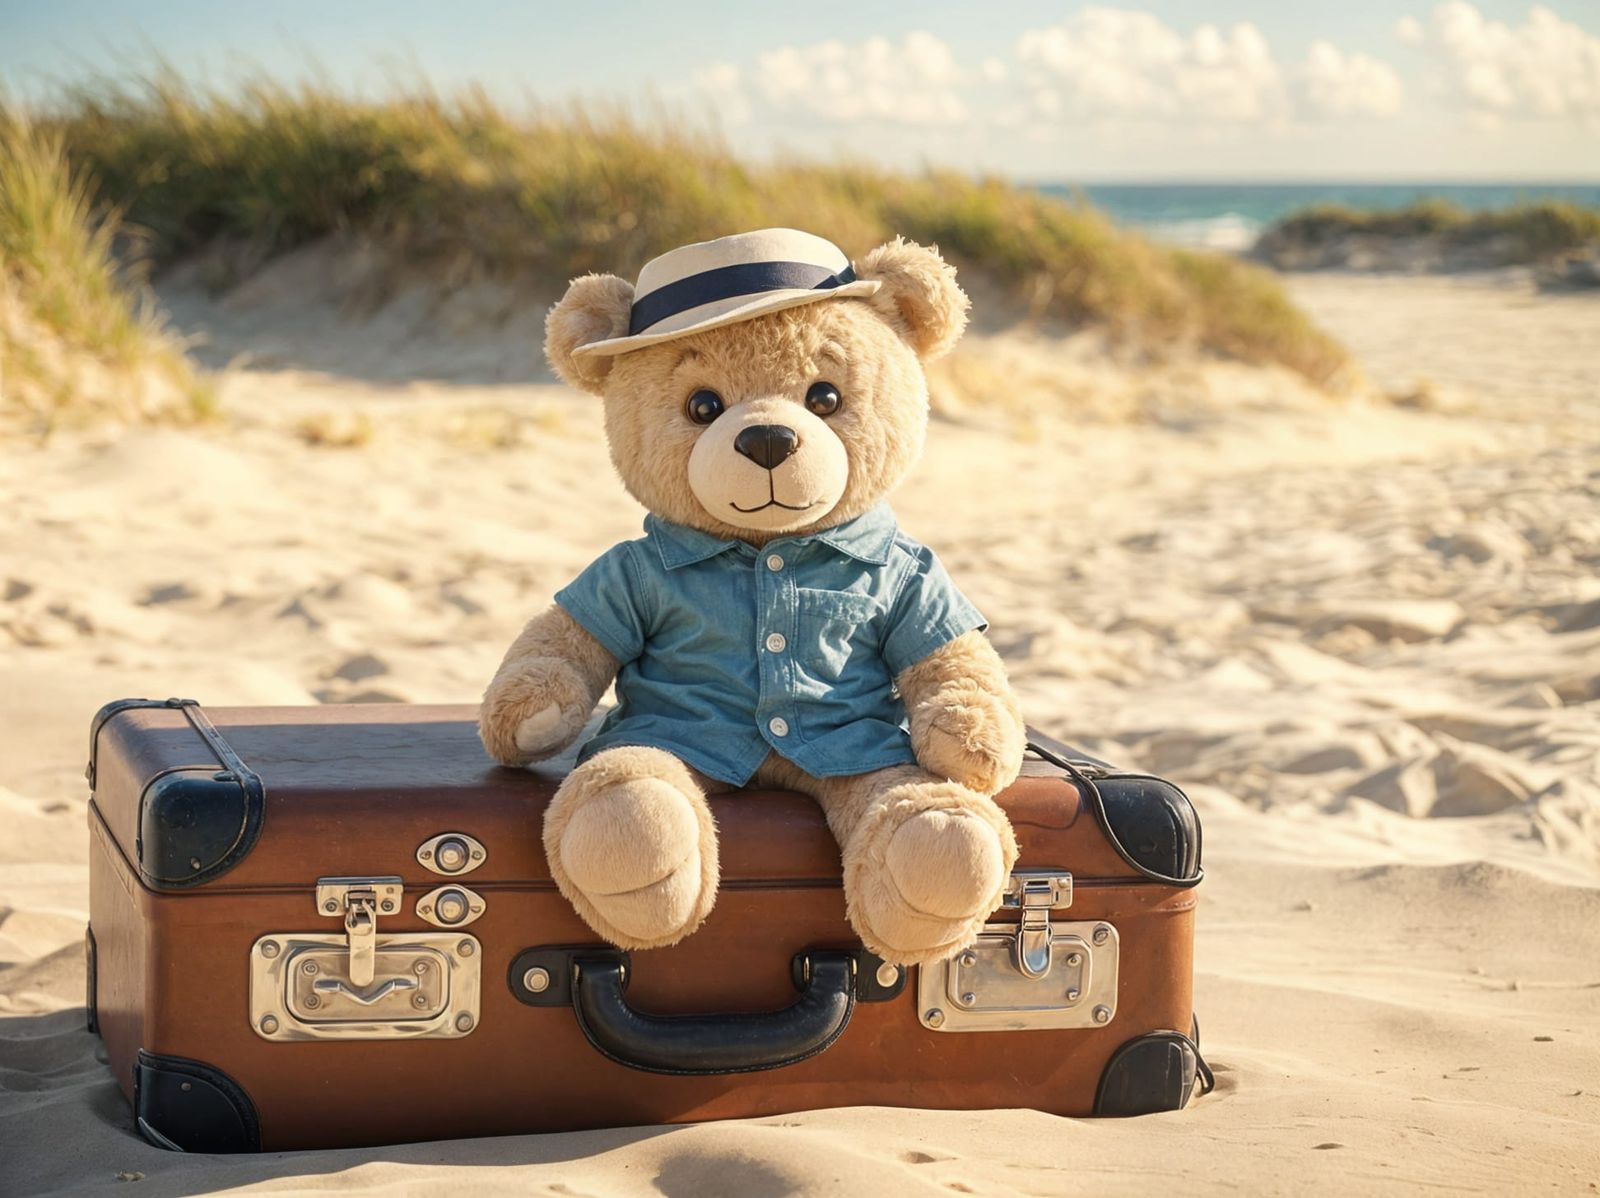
(773, 627)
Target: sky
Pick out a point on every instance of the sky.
(1170, 90)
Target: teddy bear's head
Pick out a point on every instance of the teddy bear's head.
(788, 422)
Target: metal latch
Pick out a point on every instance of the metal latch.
(360, 900)
(1036, 893)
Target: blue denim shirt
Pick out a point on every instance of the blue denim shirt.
(729, 651)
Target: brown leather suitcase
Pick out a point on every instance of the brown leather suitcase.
(331, 926)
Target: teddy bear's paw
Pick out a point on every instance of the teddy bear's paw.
(544, 731)
(969, 735)
(533, 710)
(634, 853)
(925, 881)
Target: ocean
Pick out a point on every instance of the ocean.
(1229, 216)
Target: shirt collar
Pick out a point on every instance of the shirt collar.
(867, 538)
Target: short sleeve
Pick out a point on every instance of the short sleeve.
(608, 600)
(927, 614)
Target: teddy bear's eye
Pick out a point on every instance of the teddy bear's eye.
(823, 399)
(705, 406)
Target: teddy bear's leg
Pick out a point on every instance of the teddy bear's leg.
(632, 846)
(925, 860)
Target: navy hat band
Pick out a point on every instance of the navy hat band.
(729, 282)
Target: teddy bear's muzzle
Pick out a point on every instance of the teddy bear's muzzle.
(768, 465)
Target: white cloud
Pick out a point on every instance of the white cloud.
(1545, 68)
(1334, 83)
(915, 82)
(1107, 62)
(721, 85)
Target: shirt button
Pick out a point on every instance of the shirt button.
(776, 643)
(774, 562)
(778, 726)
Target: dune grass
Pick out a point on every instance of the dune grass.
(77, 339)
(1523, 234)
(460, 183)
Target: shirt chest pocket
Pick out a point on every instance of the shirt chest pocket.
(838, 632)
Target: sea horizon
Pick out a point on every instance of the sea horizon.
(1230, 216)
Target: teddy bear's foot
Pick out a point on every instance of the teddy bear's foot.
(925, 869)
(632, 846)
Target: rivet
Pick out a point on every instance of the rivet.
(330, 907)
(309, 968)
(186, 1086)
(463, 1023)
(1074, 958)
(269, 1024)
(968, 960)
(968, 998)
(466, 948)
(888, 975)
(313, 1001)
(194, 863)
(1074, 995)
(270, 949)
(420, 967)
(1102, 934)
(934, 1018)
(477, 854)
(425, 854)
(1102, 1014)
(537, 980)
(420, 1000)
(424, 908)
(388, 904)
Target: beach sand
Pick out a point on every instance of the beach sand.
(1364, 635)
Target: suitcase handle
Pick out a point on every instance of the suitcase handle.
(593, 981)
(720, 1043)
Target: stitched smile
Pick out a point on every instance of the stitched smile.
(788, 507)
(773, 501)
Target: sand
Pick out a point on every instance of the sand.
(1365, 636)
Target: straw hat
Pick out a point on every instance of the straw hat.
(714, 283)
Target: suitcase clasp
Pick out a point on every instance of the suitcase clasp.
(1036, 893)
(360, 900)
(1031, 974)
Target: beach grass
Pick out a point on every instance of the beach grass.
(462, 187)
(1523, 234)
(78, 338)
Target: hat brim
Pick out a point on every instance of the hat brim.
(753, 306)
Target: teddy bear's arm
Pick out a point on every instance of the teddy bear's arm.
(966, 724)
(545, 689)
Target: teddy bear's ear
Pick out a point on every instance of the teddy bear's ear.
(919, 296)
(595, 308)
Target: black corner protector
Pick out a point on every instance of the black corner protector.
(1149, 821)
(1155, 822)
(1154, 1072)
(192, 1107)
(195, 825)
(91, 966)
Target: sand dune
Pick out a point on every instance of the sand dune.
(1365, 636)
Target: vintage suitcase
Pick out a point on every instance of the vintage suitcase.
(329, 926)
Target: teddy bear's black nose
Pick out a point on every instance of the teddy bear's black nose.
(766, 444)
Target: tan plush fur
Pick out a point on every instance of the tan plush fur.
(629, 836)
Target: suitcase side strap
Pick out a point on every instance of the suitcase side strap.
(1083, 771)
(593, 982)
